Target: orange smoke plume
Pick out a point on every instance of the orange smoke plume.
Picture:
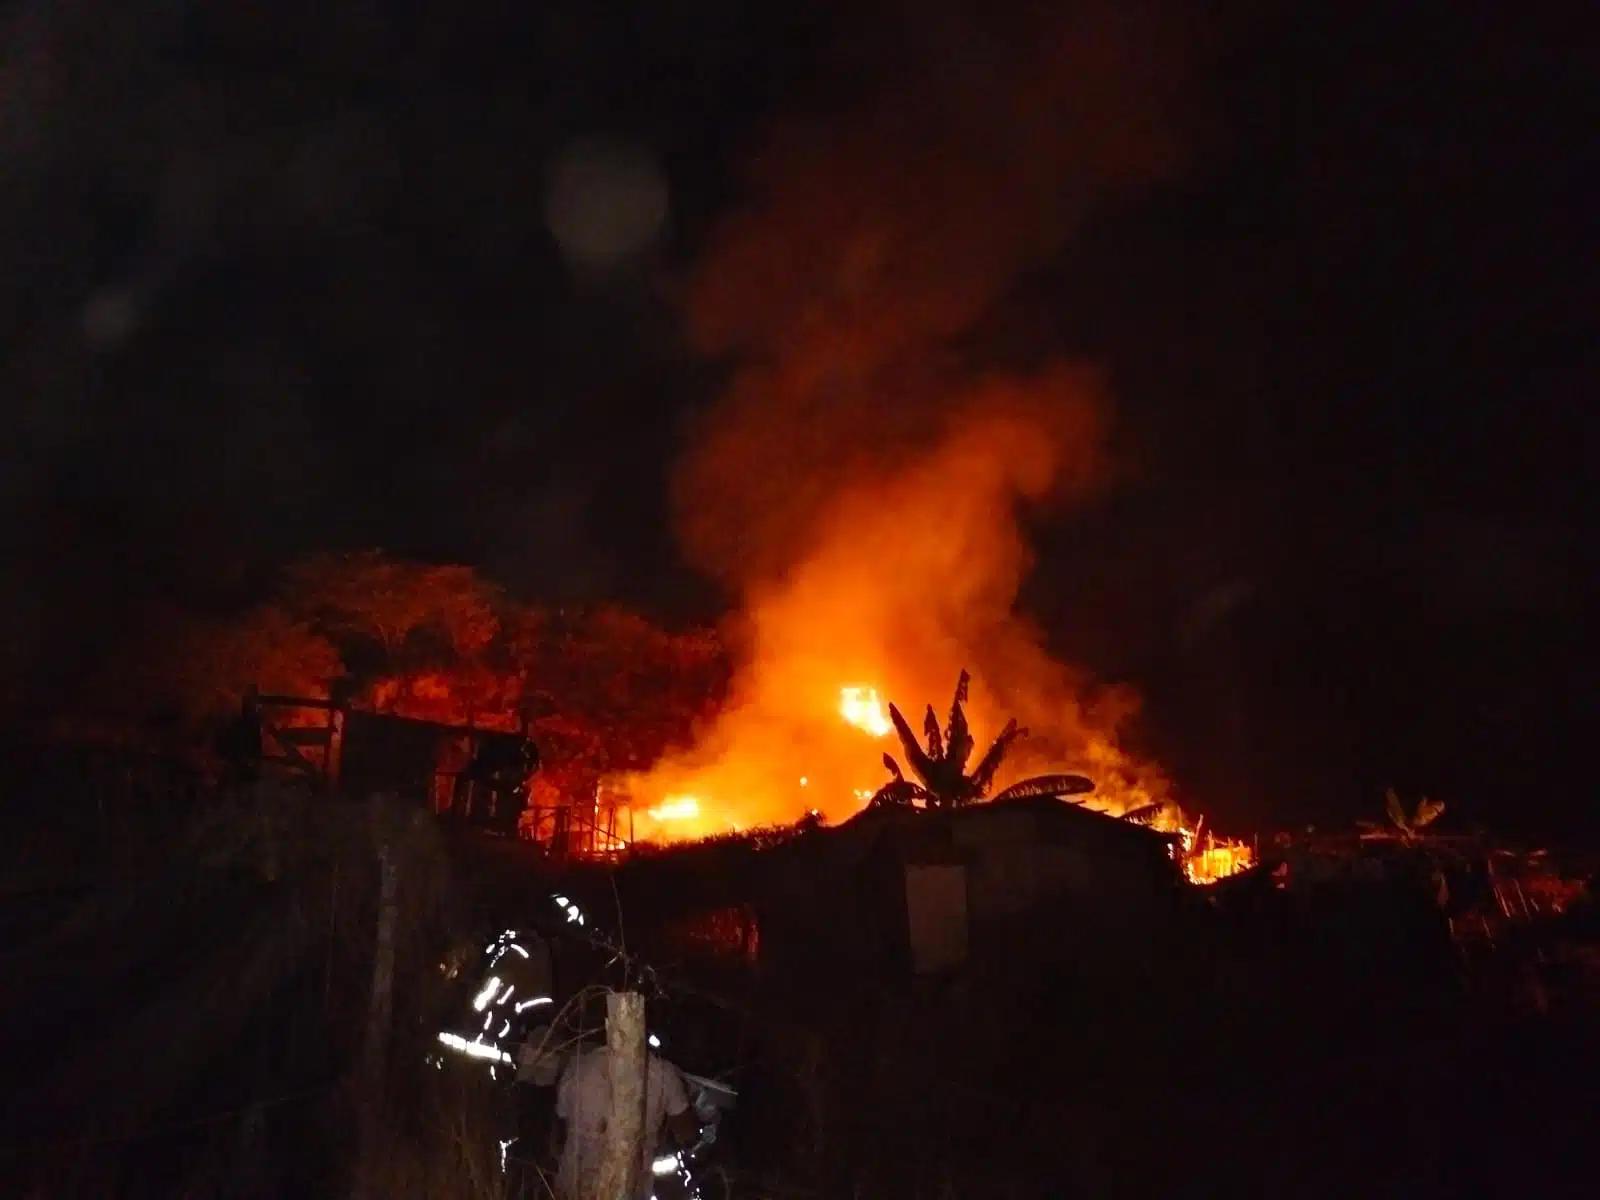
(906, 579)
(860, 483)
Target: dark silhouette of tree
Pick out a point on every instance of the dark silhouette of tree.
(408, 613)
(941, 766)
(611, 692)
(605, 690)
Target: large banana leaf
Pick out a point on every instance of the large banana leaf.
(1047, 785)
(1143, 815)
(983, 773)
(961, 687)
(1396, 810)
(897, 793)
(957, 737)
(924, 766)
(930, 726)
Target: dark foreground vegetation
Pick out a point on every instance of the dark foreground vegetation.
(188, 1001)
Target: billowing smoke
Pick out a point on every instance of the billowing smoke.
(859, 483)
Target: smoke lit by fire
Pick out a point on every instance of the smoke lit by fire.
(862, 482)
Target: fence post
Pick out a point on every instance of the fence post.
(623, 1156)
(369, 1081)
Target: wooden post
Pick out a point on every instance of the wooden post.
(370, 1079)
(622, 1159)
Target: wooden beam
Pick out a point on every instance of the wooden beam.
(304, 735)
(293, 702)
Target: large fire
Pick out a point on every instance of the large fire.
(902, 581)
(861, 707)
(860, 483)
(675, 808)
(701, 806)
(1204, 858)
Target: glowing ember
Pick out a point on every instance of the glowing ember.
(861, 707)
(675, 808)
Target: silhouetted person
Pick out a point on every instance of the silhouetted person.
(239, 744)
(499, 774)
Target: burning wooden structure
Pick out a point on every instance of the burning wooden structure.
(478, 776)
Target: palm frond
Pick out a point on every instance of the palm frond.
(957, 737)
(1058, 786)
(897, 793)
(1428, 811)
(930, 726)
(894, 767)
(915, 754)
(983, 773)
(1396, 810)
(1141, 816)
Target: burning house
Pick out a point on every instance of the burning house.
(475, 775)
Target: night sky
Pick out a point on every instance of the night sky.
(287, 277)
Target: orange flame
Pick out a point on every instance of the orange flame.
(675, 808)
(1205, 859)
(906, 578)
(859, 483)
(861, 707)
(1217, 860)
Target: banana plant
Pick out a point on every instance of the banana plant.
(1407, 826)
(940, 767)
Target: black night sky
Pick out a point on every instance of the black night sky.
(279, 278)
